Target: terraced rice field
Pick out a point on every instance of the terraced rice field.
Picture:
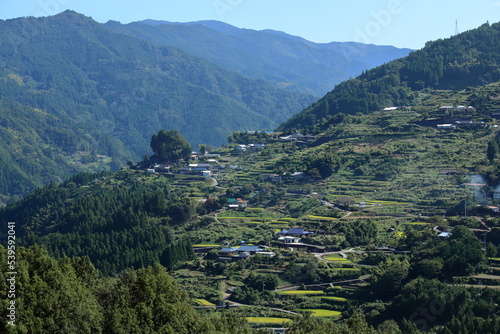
(322, 313)
(204, 302)
(336, 259)
(267, 320)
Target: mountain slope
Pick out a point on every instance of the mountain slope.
(287, 61)
(85, 90)
(468, 59)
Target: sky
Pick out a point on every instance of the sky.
(401, 23)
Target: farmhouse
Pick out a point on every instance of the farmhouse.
(446, 126)
(298, 175)
(295, 231)
(242, 251)
(289, 240)
(236, 203)
(495, 209)
(185, 170)
(241, 148)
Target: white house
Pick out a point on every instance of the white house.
(289, 239)
(241, 148)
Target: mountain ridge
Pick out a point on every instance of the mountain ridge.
(287, 61)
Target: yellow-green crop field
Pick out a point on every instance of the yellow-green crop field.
(267, 320)
(336, 259)
(322, 218)
(322, 313)
(339, 299)
(387, 202)
(204, 302)
(347, 269)
(304, 292)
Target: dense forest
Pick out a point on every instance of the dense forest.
(72, 91)
(70, 296)
(465, 60)
(120, 222)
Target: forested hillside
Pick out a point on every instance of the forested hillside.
(468, 59)
(70, 296)
(287, 61)
(72, 90)
(121, 222)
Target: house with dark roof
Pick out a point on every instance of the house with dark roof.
(295, 231)
(242, 249)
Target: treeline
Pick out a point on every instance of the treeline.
(468, 59)
(119, 220)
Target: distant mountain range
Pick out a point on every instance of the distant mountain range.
(289, 62)
(72, 89)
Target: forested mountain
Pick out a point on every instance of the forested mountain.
(72, 89)
(467, 59)
(287, 61)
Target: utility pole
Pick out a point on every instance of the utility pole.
(456, 27)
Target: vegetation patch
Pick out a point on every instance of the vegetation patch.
(339, 299)
(322, 313)
(336, 259)
(303, 292)
(322, 218)
(267, 320)
(204, 302)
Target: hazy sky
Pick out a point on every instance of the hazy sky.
(402, 23)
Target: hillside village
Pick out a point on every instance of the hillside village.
(262, 215)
